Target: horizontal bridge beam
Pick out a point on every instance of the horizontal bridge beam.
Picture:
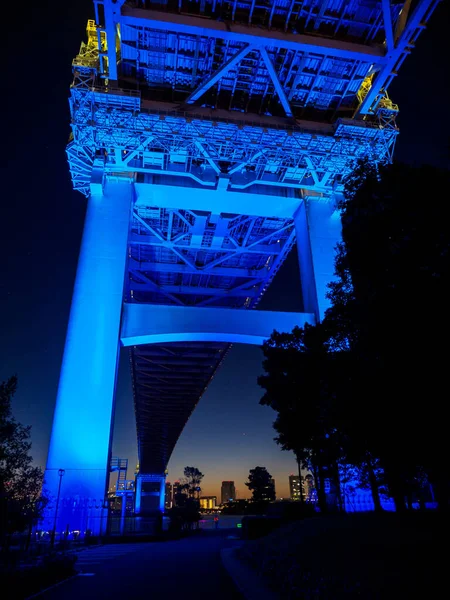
(156, 267)
(255, 36)
(217, 202)
(198, 290)
(149, 240)
(158, 324)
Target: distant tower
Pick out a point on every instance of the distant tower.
(168, 499)
(228, 492)
(294, 487)
(175, 491)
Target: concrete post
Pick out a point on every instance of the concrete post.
(81, 434)
(318, 229)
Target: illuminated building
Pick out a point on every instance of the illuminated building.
(168, 496)
(227, 492)
(207, 145)
(294, 487)
(208, 502)
(175, 490)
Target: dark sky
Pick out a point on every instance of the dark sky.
(41, 222)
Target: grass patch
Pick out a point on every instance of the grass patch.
(352, 556)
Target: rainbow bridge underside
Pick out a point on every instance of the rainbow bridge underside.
(210, 137)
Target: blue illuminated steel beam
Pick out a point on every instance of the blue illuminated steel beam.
(111, 10)
(395, 58)
(254, 36)
(153, 324)
(204, 87)
(387, 19)
(276, 82)
(166, 196)
(156, 267)
(318, 229)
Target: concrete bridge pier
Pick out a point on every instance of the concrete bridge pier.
(77, 472)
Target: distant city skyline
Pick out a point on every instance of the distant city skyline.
(228, 433)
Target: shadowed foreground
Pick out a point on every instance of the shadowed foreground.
(353, 556)
(189, 568)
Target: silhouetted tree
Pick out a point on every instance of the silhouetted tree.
(301, 385)
(185, 511)
(192, 479)
(365, 386)
(390, 308)
(260, 483)
(21, 496)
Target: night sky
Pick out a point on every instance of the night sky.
(41, 222)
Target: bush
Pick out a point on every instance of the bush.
(256, 527)
(290, 511)
(62, 565)
(353, 557)
(50, 570)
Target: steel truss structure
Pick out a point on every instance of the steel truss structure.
(211, 104)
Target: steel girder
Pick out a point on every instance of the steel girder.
(314, 63)
(133, 139)
(213, 260)
(356, 20)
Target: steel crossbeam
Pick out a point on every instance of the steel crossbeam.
(204, 259)
(187, 24)
(144, 323)
(182, 144)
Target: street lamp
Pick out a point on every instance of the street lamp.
(60, 473)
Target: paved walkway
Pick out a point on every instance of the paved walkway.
(189, 568)
(89, 559)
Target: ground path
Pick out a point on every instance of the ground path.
(189, 568)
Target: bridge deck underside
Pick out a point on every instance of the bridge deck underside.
(168, 382)
(358, 20)
(191, 258)
(173, 62)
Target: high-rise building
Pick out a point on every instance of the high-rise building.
(208, 502)
(294, 487)
(306, 485)
(168, 497)
(227, 492)
(175, 491)
(268, 492)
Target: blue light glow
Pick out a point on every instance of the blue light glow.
(81, 431)
(152, 324)
(260, 183)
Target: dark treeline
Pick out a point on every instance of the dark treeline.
(21, 499)
(367, 388)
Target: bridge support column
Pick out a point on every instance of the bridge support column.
(81, 434)
(149, 502)
(123, 514)
(150, 492)
(318, 230)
